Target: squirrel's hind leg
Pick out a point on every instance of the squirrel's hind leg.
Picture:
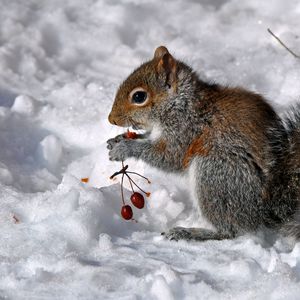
(195, 234)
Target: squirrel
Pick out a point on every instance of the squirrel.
(242, 158)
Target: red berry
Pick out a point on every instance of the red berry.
(130, 135)
(126, 212)
(137, 200)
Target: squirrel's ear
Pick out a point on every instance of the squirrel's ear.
(160, 52)
(166, 64)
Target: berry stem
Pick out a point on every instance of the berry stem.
(122, 171)
(122, 189)
(129, 179)
(129, 172)
(136, 184)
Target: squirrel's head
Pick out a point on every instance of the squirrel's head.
(146, 90)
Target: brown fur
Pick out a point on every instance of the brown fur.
(160, 146)
(200, 146)
(235, 111)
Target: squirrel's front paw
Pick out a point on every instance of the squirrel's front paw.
(120, 151)
(112, 142)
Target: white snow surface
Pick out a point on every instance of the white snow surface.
(60, 65)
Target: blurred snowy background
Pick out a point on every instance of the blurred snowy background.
(60, 65)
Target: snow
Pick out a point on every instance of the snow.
(60, 65)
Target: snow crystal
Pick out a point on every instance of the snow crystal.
(24, 105)
(50, 151)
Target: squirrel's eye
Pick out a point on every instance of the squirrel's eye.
(139, 97)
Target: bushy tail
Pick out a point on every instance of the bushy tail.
(291, 191)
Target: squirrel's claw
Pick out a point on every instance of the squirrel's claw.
(195, 234)
(178, 233)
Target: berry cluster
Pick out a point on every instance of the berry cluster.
(136, 198)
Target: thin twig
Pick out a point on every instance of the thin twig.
(281, 43)
(146, 193)
(127, 176)
(122, 171)
(135, 173)
(122, 193)
(131, 185)
(16, 219)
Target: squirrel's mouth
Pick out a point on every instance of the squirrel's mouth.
(135, 125)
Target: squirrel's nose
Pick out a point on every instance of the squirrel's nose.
(111, 119)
